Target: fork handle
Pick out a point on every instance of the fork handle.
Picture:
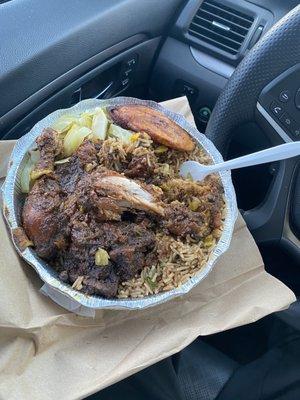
(276, 153)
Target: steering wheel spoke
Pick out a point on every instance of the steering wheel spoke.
(270, 221)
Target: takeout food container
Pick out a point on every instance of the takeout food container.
(13, 200)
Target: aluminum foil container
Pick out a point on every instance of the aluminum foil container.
(13, 201)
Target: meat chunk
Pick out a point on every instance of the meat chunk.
(49, 145)
(83, 234)
(207, 197)
(107, 287)
(180, 221)
(158, 126)
(79, 262)
(132, 253)
(69, 174)
(128, 261)
(130, 248)
(87, 153)
(42, 221)
(106, 209)
(138, 236)
(140, 167)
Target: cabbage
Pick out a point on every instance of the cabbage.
(64, 123)
(26, 174)
(99, 125)
(122, 134)
(25, 179)
(95, 119)
(74, 138)
(34, 155)
(85, 119)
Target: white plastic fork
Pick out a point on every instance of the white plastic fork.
(199, 171)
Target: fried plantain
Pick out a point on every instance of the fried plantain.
(159, 127)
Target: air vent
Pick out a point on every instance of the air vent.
(221, 26)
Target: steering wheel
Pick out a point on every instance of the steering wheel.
(264, 88)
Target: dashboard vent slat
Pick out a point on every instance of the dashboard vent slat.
(221, 26)
(215, 43)
(216, 36)
(209, 27)
(234, 26)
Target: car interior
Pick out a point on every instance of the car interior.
(238, 64)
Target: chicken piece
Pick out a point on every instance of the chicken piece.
(126, 193)
(42, 221)
(49, 145)
(87, 198)
(102, 281)
(82, 234)
(159, 127)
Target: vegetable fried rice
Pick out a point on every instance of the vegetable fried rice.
(106, 208)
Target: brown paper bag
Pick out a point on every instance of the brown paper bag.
(48, 353)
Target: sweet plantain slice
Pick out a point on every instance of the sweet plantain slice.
(160, 128)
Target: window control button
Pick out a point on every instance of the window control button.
(132, 62)
(276, 109)
(125, 82)
(127, 72)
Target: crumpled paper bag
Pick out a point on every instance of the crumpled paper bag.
(49, 353)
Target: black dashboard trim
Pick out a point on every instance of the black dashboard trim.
(42, 40)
